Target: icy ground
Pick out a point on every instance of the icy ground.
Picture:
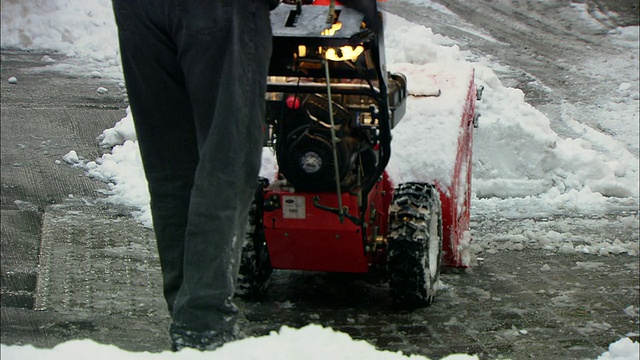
(523, 166)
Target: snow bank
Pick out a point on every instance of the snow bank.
(122, 169)
(623, 349)
(310, 343)
(79, 29)
(425, 142)
(516, 153)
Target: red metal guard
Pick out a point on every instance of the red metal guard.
(456, 200)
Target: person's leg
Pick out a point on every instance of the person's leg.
(165, 127)
(229, 127)
(223, 49)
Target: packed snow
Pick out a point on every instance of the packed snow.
(522, 168)
(312, 342)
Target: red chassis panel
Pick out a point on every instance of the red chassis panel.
(301, 236)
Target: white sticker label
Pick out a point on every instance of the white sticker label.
(293, 207)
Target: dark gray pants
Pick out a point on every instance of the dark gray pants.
(196, 73)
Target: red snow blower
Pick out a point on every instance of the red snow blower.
(331, 105)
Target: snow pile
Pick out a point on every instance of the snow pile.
(623, 349)
(123, 131)
(122, 169)
(431, 122)
(79, 29)
(312, 342)
(516, 153)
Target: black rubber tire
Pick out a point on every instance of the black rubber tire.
(254, 275)
(414, 245)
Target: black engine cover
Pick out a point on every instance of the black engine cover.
(306, 159)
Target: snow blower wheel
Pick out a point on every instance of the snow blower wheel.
(255, 270)
(415, 244)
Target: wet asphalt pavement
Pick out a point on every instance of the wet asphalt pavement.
(75, 266)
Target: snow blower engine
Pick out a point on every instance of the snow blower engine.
(331, 105)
